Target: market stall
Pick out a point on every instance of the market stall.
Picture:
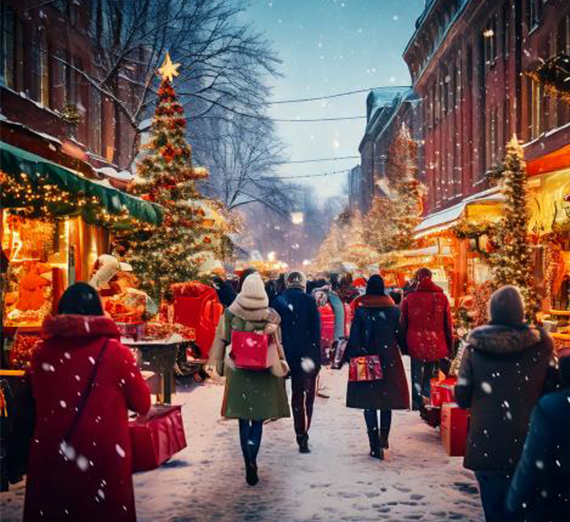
(54, 225)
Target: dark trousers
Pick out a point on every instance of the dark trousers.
(371, 418)
(303, 388)
(493, 487)
(422, 373)
(250, 438)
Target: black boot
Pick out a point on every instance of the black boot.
(384, 439)
(251, 476)
(376, 451)
(303, 441)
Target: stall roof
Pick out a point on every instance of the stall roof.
(445, 218)
(15, 161)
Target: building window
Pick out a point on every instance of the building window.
(506, 29)
(7, 49)
(490, 42)
(44, 84)
(536, 109)
(95, 120)
(534, 13)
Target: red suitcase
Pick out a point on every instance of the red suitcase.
(453, 429)
(156, 437)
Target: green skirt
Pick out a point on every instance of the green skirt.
(254, 395)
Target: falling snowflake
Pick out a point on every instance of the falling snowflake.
(120, 451)
(486, 387)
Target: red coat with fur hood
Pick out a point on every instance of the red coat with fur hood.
(427, 322)
(93, 480)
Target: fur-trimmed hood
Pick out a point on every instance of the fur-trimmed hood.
(504, 340)
(79, 326)
(375, 301)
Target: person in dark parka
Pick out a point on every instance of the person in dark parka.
(301, 330)
(375, 331)
(501, 378)
(540, 489)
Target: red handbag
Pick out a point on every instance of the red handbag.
(365, 368)
(454, 428)
(250, 350)
(156, 437)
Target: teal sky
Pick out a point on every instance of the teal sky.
(327, 47)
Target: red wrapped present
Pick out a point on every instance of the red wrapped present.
(156, 437)
(442, 391)
(453, 429)
(250, 350)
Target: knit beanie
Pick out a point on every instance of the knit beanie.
(253, 295)
(296, 280)
(375, 285)
(506, 306)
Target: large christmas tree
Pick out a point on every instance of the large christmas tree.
(166, 176)
(512, 263)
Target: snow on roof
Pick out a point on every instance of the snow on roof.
(110, 172)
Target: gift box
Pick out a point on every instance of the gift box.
(250, 350)
(156, 437)
(453, 429)
(134, 331)
(442, 391)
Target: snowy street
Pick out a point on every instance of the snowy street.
(338, 481)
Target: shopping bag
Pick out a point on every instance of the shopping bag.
(442, 391)
(250, 351)
(365, 368)
(339, 353)
(453, 429)
(156, 437)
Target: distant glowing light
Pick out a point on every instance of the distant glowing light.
(297, 218)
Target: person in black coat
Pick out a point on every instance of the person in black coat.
(376, 331)
(301, 331)
(540, 489)
(501, 378)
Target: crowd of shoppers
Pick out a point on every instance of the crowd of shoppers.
(84, 382)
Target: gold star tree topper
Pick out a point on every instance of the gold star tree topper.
(169, 70)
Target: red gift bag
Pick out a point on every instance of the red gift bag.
(442, 391)
(156, 437)
(250, 350)
(365, 368)
(453, 429)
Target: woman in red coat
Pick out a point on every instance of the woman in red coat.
(427, 325)
(88, 477)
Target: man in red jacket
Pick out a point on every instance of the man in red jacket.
(428, 328)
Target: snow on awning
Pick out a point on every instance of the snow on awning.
(15, 162)
(445, 219)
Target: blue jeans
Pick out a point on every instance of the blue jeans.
(250, 438)
(493, 487)
(422, 372)
(371, 418)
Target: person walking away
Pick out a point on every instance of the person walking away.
(540, 489)
(301, 328)
(83, 381)
(427, 327)
(501, 377)
(251, 396)
(376, 331)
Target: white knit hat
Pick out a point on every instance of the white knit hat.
(253, 295)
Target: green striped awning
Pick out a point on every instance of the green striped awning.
(15, 162)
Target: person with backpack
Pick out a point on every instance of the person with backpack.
(427, 327)
(251, 395)
(83, 382)
(301, 327)
(375, 333)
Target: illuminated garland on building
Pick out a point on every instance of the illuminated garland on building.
(46, 201)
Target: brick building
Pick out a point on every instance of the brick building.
(468, 59)
(43, 51)
(387, 109)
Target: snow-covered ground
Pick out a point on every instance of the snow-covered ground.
(338, 481)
